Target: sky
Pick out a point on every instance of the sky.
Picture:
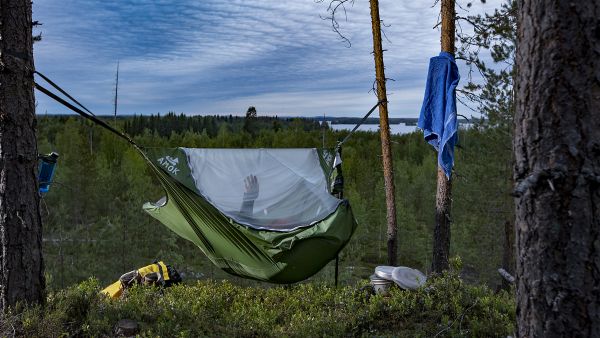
(222, 56)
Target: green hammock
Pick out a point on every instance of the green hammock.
(239, 249)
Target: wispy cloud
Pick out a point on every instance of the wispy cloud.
(218, 56)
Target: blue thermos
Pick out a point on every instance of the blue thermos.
(47, 166)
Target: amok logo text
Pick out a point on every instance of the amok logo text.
(170, 164)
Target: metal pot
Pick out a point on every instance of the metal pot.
(380, 286)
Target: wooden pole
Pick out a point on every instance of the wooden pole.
(441, 233)
(386, 149)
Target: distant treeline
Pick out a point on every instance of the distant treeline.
(164, 125)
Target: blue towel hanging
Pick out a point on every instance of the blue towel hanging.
(438, 114)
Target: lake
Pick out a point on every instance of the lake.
(397, 129)
(400, 128)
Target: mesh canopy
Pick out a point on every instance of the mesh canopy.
(273, 189)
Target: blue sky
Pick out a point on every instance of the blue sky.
(222, 56)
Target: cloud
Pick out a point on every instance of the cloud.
(218, 56)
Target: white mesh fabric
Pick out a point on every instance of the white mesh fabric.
(292, 188)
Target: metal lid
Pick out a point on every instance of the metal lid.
(408, 278)
(384, 271)
(376, 280)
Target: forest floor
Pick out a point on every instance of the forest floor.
(444, 307)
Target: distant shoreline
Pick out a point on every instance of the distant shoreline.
(396, 120)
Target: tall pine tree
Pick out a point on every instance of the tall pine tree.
(557, 170)
(21, 264)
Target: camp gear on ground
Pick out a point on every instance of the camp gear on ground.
(438, 114)
(152, 278)
(157, 273)
(384, 271)
(46, 168)
(174, 276)
(130, 278)
(381, 286)
(407, 278)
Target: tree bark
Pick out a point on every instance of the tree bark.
(384, 127)
(557, 169)
(21, 265)
(443, 204)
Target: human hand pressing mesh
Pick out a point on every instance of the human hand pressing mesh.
(251, 185)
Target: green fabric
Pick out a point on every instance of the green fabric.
(326, 158)
(278, 257)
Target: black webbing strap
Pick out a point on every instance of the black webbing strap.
(62, 91)
(359, 123)
(88, 115)
(161, 272)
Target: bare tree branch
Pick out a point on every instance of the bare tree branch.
(334, 7)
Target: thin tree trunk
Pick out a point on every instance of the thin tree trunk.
(384, 127)
(557, 169)
(443, 200)
(21, 265)
(508, 256)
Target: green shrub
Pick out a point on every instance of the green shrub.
(446, 307)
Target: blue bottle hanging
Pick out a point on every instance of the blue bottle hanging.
(47, 166)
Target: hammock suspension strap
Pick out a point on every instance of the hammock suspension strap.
(86, 114)
(339, 145)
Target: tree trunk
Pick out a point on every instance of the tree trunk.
(557, 169)
(508, 257)
(21, 265)
(384, 127)
(441, 232)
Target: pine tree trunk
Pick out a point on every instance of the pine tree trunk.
(557, 169)
(443, 197)
(384, 127)
(508, 257)
(21, 265)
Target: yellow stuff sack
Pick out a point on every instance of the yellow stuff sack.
(157, 273)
